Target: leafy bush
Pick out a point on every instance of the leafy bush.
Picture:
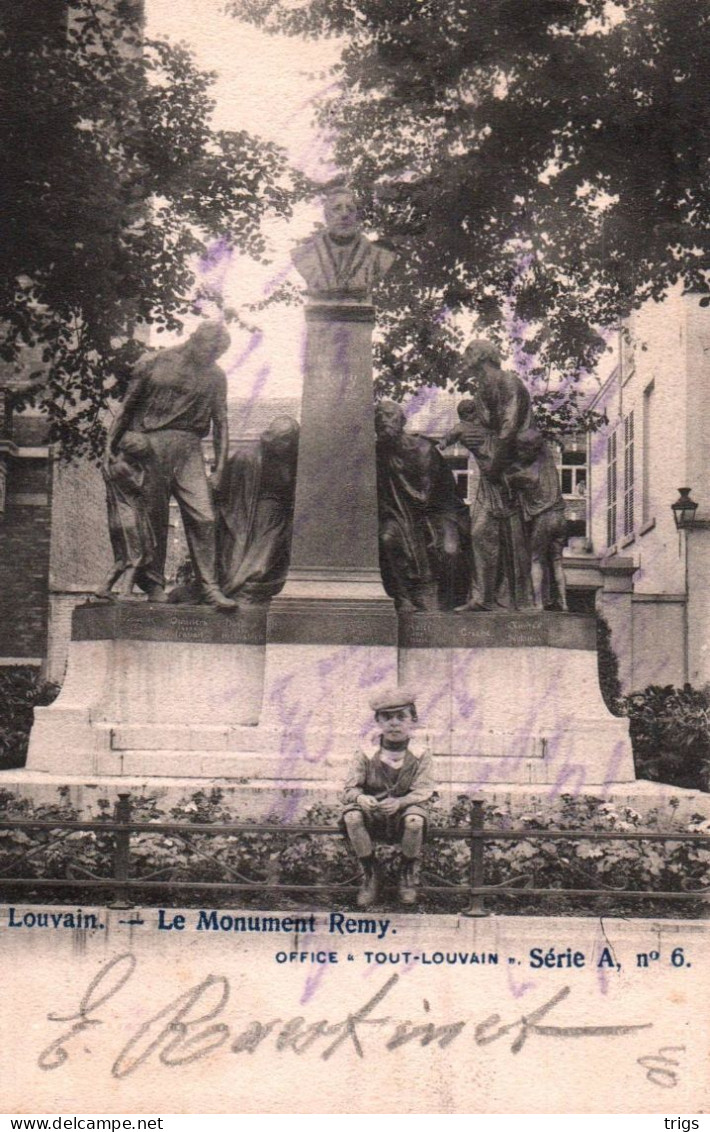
(22, 688)
(275, 856)
(608, 668)
(669, 727)
(558, 863)
(670, 733)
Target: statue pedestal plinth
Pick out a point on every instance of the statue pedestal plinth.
(332, 632)
(160, 678)
(334, 553)
(187, 692)
(514, 698)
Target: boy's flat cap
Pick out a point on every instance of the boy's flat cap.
(390, 698)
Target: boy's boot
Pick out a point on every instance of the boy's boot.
(408, 880)
(367, 892)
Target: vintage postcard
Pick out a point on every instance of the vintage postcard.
(354, 544)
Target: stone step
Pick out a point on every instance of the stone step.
(206, 764)
(259, 743)
(452, 771)
(260, 797)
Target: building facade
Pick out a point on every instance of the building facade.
(657, 439)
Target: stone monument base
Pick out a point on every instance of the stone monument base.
(188, 692)
(153, 676)
(514, 697)
(163, 690)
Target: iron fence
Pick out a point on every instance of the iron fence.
(475, 833)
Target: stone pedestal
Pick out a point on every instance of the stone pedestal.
(324, 661)
(332, 633)
(508, 697)
(151, 689)
(187, 692)
(334, 554)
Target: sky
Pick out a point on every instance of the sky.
(266, 85)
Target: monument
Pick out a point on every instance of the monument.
(424, 537)
(335, 549)
(255, 505)
(332, 632)
(154, 451)
(267, 689)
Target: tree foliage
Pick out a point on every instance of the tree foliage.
(114, 184)
(542, 164)
(22, 688)
(670, 733)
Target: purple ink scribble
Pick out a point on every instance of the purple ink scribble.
(272, 285)
(316, 157)
(518, 990)
(212, 269)
(218, 255)
(604, 973)
(310, 723)
(259, 382)
(312, 101)
(403, 968)
(313, 983)
(603, 981)
(429, 397)
(256, 339)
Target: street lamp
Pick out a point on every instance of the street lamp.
(684, 510)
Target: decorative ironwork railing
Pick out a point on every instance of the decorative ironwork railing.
(120, 852)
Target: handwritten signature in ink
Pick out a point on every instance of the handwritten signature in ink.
(187, 1028)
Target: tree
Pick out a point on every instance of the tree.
(540, 164)
(114, 182)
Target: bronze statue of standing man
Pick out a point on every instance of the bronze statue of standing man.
(491, 422)
(175, 398)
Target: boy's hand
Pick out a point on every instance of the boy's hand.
(389, 806)
(367, 802)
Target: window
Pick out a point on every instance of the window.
(459, 468)
(646, 503)
(571, 460)
(629, 474)
(573, 474)
(627, 351)
(611, 490)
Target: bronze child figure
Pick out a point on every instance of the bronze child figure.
(130, 529)
(535, 480)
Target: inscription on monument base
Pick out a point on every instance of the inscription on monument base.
(496, 630)
(143, 622)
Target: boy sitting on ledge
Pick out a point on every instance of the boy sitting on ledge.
(385, 796)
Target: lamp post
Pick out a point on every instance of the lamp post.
(684, 510)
